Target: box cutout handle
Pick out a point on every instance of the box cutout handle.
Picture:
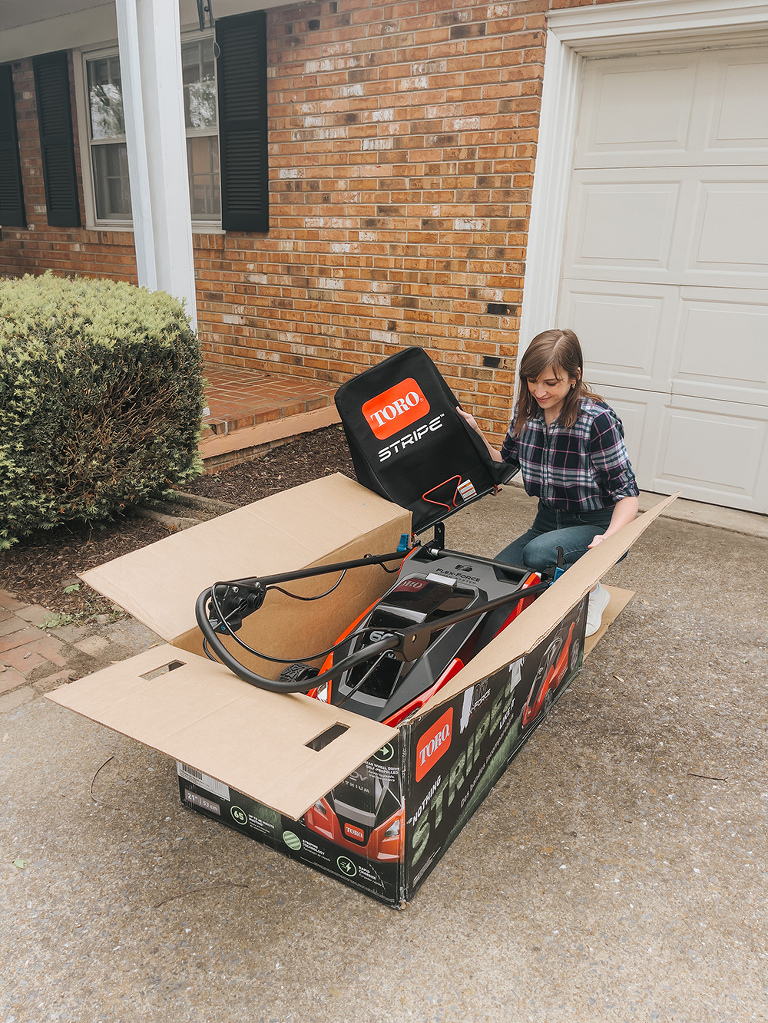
(326, 738)
(162, 670)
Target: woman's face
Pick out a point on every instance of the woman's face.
(550, 390)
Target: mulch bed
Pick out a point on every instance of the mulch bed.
(40, 568)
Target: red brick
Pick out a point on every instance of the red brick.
(23, 658)
(9, 602)
(10, 679)
(18, 638)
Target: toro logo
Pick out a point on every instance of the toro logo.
(411, 584)
(396, 408)
(433, 744)
(357, 834)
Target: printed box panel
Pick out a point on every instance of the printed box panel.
(354, 833)
(461, 749)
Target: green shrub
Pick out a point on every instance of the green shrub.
(101, 398)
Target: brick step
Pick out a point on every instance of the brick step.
(250, 411)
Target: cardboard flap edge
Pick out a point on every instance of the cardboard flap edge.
(121, 580)
(538, 620)
(199, 713)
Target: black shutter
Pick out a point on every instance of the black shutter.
(242, 86)
(54, 116)
(11, 193)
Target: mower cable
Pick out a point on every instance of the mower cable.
(318, 596)
(208, 653)
(392, 641)
(276, 686)
(363, 680)
(269, 657)
(257, 583)
(390, 571)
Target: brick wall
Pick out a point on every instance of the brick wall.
(402, 144)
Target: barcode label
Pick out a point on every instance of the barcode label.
(203, 780)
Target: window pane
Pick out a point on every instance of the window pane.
(105, 97)
(199, 78)
(110, 176)
(204, 189)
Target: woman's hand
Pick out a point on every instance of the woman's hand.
(472, 422)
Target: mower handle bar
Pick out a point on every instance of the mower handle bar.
(406, 644)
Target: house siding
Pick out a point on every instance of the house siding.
(402, 141)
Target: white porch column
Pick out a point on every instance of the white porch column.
(150, 64)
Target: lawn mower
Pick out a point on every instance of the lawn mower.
(408, 444)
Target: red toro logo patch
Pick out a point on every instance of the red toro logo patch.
(356, 834)
(396, 408)
(434, 743)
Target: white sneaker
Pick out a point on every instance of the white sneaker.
(599, 599)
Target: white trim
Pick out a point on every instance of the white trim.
(590, 29)
(128, 33)
(83, 140)
(150, 68)
(606, 30)
(552, 174)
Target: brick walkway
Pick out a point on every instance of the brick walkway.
(240, 398)
(37, 656)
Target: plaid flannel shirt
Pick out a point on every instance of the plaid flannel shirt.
(583, 468)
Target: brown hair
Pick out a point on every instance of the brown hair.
(561, 350)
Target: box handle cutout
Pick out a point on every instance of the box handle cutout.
(326, 738)
(162, 670)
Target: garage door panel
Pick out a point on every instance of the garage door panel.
(622, 328)
(741, 115)
(722, 348)
(640, 109)
(712, 454)
(688, 109)
(641, 413)
(730, 226)
(623, 224)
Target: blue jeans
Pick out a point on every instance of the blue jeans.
(552, 528)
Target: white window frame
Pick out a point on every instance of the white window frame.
(85, 143)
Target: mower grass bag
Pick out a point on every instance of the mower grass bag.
(409, 444)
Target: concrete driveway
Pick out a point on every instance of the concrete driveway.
(616, 873)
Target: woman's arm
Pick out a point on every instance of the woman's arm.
(624, 512)
(470, 420)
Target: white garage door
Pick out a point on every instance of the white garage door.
(665, 274)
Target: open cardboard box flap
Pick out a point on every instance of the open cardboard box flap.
(538, 620)
(206, 717)
(296, 528)
(258, 742)
(199, 712)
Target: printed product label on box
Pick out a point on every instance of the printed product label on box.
(461, 749)
(203, 780)
(354, 832)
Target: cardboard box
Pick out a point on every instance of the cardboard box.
(371, 805)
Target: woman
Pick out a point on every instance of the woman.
(570, 448)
